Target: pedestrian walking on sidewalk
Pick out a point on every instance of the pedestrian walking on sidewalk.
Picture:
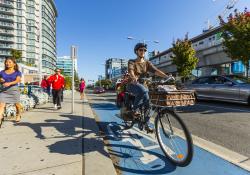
(45, 85)
(57, 82)
(81, 88)
(9, 93)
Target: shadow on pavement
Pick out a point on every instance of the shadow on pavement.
(130, 160)
(71, 127)
(92, 143)
(66, 129)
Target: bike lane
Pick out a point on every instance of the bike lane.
(135, 152)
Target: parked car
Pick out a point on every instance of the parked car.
(229, 88)
(99, 90)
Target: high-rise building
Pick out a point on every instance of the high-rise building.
(29, 26)
(115, 68)
(65, 64)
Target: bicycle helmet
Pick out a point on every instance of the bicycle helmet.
(140, 45)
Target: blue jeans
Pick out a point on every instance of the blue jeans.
(141, 95)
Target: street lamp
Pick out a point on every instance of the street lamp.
(144, 41)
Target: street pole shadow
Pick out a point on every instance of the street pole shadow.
(72, 132)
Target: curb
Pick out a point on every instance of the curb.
(97, 161)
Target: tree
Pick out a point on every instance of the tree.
(236, 35)
(184, 57)
(104, 83)
(77, 80)
(68, 82)
(17, 54)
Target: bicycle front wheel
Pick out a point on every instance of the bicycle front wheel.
(174, 138)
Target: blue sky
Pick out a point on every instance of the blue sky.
(99, 27)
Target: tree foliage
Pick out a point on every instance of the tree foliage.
(77, 80)
(184, 57)
(68, 82)
(104, 83)
(236, 35)
(17, 54)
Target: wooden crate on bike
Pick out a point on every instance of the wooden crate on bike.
(172, 98)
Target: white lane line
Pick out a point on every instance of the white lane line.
(232, 109)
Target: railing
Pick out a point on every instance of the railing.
(6, 46)
(6, 17)
(6, 32)
(5, 53)
(6, 39)
(6, 24)
(6, 3)
(6, 10)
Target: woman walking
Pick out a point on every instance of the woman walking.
(10, 77)
(81, 88)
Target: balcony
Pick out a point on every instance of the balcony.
(6, 46)
(5, 53)
(7, 39)
(6, 25)
(6, 32)
(4, 17)
(6, 11)
(6, 3)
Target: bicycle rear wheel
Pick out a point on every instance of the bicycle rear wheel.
(174, 138)
(128, 120)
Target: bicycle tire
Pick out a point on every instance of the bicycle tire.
(189, 143)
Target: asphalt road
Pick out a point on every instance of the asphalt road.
(225, 124)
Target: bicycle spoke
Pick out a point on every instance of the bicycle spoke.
(172, 138)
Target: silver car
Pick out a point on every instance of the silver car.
(222, 88)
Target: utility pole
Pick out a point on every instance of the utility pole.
(73, 57)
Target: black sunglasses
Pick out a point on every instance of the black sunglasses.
(145, 50)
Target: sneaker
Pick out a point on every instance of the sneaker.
(59, 107)
(55, 106)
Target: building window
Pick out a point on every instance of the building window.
(19, 46)
(19, 26)
(19, 39)
(19, 5)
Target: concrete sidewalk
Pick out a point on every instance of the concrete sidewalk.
(49, 141)
(96, 157)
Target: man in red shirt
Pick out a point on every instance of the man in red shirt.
(45, 85)
(57, 82)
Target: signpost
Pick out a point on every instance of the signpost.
(73, 57)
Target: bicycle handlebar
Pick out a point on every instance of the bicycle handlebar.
(162, 81)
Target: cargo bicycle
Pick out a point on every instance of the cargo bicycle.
(171, 132)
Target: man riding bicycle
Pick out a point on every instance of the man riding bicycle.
(137, 69)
